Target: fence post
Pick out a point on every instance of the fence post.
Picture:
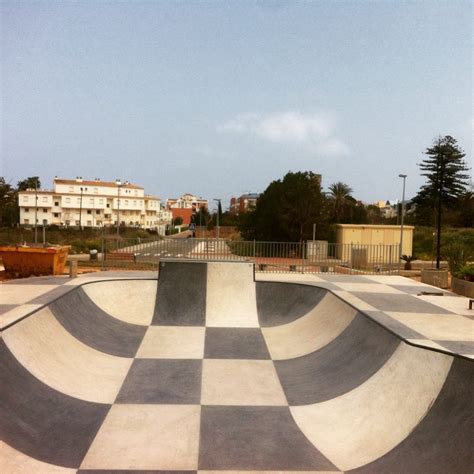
(302, 257)
(102, 245)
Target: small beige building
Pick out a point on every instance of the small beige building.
(385, 237)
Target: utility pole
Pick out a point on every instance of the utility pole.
(118, 208)
(36, 211)
(80, 208)
(404, 176)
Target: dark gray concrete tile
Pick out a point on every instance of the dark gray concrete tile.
(255, 438)
(235, 343)
(397, 302)
(181, 296)
(4, 308)
(458, 347)
(92, 326)
(344, 364)
(41, 422)
(393, 325)
(280, 303)
(41, 280)
(51, 295)
(442, 441)
(415, 289)
(165, 381)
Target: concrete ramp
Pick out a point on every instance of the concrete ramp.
(207, 370)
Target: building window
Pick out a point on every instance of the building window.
(26, 221)
(126, 202)
(101, 201)
(45, 221)
(99, 222)
(91, 201)
(78, 222)
(96, 190)
(27, 209)
(45, 198)
(71, 189)
(25, 198)
(89, 211)
(56, 214)
(68, 222)
(78, 200)
(97, 212)
(45, 210)
(89, 223)
(56, 203)
(68, 200)
(108, 205)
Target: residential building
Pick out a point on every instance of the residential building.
(388, 209)
(91, 203)
(244, 203)
(185, 206)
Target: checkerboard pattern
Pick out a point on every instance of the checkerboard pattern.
(185, 393)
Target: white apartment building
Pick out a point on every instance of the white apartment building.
(96, 203)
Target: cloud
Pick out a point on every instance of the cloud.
(313, 131)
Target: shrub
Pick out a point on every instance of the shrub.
(457, 253)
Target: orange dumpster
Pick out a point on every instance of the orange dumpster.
(24, 261)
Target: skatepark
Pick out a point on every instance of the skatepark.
(209, 369)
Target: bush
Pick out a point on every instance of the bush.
(466, 272)
(457, 253)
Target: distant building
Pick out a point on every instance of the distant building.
(92, 203)
(388, 209)
(185, 206)
(244, 203)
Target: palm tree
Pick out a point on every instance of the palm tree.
(341, 199)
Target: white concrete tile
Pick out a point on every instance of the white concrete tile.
(21, 294)
(368, 287)
(241, 382)
(310, 332)
(447, 327)
(15, 462)
(231, 299)
(172, 342)
(17, 313)
(132, 301)
(456, 304)
(54, 356)
(362, 425)
(154, 437)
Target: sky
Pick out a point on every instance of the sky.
(220, 98)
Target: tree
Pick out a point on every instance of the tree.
(445, 172)
(29, 183)
(341, 201)
(9, 209)
(287, 210)
(178, 220)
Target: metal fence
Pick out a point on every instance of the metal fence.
(302, 257)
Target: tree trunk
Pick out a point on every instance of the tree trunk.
(438, 236)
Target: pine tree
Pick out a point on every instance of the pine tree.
(445, 172)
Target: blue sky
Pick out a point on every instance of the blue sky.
(220, 98)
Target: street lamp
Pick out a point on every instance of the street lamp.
(119, 183)
(36, 211)
(404, 176)
(218, 200)
(80, 207)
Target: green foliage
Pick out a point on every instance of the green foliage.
(29, 183)
(287, 209)
(9, 210)
(466, 272)
(178, 220)
(457, 253)
(341, 203)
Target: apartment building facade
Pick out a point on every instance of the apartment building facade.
(244, 203)
(185, 206)
(92, 203)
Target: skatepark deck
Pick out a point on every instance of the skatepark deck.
(208, 370)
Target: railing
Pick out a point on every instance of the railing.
(302, 257)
